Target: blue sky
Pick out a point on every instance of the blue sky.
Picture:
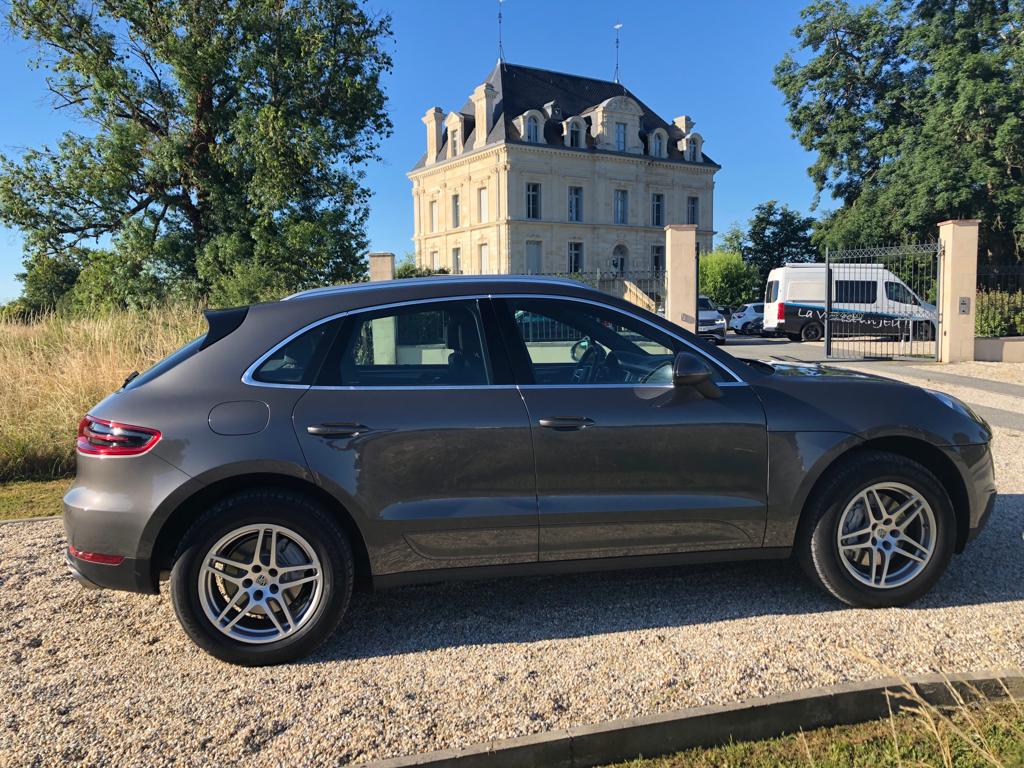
(712, 61)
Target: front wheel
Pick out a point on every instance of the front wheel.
(879, 533)
(262, 577)
(811, 332)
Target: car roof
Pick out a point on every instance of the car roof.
(492, 282)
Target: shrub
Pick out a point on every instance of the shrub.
(999, 313)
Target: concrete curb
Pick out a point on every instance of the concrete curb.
(653, 735)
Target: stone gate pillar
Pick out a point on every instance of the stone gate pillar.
(681, 275)
(382, 266)
(958, 289)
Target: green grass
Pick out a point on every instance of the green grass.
(27, 498)
(991, 734)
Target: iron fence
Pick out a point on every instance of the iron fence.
(880, 303)
(1000, 300)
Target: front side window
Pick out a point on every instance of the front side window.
(899, 293)
(620, 137)
(856, 291)
(575, 257)
(532, 130)
(533, 201)
(456, 212)
(296, 361)
(435, 344)
(621, 203)
(576, 204)
(658, 209)
(570, 342)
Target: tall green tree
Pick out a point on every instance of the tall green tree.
(726, 278)
(913, 110)
(219, 149)
(776, 234)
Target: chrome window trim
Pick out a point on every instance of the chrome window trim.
(247, 377)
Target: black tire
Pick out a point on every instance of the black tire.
(273, 507)
(745, 329)
(816, 547)
(811, 332)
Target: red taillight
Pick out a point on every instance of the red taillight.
(781, 315)
(96, 557)
(99, 437)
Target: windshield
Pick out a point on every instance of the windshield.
(704, 303)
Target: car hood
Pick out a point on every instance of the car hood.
(708, 315)
(817, 370)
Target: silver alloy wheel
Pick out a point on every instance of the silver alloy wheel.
(886, 535)
(260, 583)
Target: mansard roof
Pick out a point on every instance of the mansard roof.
(519, 89)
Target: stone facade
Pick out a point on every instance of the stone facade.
(552, 173)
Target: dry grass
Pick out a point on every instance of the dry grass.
(32, 498)
(56, 368)
(973, 733)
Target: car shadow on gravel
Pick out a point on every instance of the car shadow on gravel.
(522, 610)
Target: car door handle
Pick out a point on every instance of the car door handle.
(566, 423)
(338, 429)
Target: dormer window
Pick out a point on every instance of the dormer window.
(659, 146)
(620, 137)
(455, 142)
(575, 135)
(691, 152)
(532, 130)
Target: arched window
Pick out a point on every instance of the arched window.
(659, 146)
(691, 153)
(575, 135)
(532, 130)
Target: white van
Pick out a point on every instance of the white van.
(867, 300)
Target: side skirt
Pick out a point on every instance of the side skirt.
(545, 568)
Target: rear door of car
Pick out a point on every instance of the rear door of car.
(415, 422)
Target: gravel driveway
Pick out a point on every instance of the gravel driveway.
(100, 678)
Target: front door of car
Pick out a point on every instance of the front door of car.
(627, 464)
(420, 429)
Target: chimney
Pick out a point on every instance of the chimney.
(684, 124)
(483, 103)
(433, 122)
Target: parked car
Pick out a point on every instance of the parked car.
(748, 318)
(867, 299)
(710, 323)
(410, 431)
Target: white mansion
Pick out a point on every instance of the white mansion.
(542, 172)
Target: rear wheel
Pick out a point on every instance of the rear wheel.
(879, 533)
(811, 332)
(262, 578)
(745, 329)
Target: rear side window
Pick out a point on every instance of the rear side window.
(169, 362)
(856, 291)
(771, 292)
(434, 344)
(297, 361)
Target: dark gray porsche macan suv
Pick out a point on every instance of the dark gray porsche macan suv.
(472, 427)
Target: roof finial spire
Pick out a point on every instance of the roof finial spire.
(617, 27)
(501, 50)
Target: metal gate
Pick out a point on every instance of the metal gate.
(882, 303)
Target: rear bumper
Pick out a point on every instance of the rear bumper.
(129, 575)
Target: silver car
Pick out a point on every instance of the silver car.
(710, 323)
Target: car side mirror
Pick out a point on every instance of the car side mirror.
(688, 370)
